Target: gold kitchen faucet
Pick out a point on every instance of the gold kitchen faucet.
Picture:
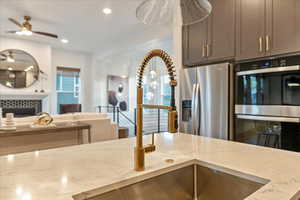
(140, 149)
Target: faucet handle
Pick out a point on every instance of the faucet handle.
(173, 121)
(150, 147)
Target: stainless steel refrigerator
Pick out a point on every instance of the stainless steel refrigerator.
(205, 101)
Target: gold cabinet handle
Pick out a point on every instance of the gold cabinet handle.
(260, 40)
(267, 43)
(203, 51)
(207, 50)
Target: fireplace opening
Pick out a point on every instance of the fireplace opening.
(21, 107)
(19, 112)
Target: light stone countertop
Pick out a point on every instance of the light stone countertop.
(91, 169)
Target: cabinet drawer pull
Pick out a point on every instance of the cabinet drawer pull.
(267, 43)
(207, 50)
(203, 51)
(260, 44)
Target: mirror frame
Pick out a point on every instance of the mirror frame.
(34, 60)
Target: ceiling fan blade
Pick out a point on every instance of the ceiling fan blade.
(10, 31)
(2, 54)
(45, 34)
(15, 22)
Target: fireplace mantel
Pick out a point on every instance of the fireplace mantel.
(23, 95)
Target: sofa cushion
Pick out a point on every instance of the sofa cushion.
(62, 117)
(25, 119)
(91, 115)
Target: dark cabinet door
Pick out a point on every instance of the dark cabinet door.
(221, 30)
(283, 32)
(250, 29)
(194, 43)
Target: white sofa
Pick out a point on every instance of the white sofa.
(102, 128)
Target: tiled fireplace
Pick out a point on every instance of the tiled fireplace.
(21, 107)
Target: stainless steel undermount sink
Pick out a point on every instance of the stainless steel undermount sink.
(194, 182)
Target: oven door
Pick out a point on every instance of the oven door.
(276, 132)
(271, 86)
(271, 92)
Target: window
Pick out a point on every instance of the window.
(148, 92)
(165, 90)
(155, 95)
(67, 86)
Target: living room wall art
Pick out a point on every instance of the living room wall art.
(118, 91)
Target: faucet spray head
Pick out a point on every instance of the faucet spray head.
(166, 59)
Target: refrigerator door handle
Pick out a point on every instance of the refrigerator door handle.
(193, 108)
(197, 110)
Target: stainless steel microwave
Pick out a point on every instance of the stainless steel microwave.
(272, 92)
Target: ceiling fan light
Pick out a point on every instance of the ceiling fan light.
(27, 32)
(19, 32)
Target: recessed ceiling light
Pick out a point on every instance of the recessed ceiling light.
(65, 41)
(107, 11)
(10, 68)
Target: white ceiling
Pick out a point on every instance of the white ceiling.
(82, 23)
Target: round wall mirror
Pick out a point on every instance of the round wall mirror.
(18, 69)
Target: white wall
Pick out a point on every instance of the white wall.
(48, 59)
(42, 54)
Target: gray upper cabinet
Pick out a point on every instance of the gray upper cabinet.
(243, 30)
(212, 39)
(267, 28)
(221, 34)
(194, 43)
(250, 29)
(283, 32)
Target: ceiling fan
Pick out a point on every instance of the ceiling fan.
(26, 28)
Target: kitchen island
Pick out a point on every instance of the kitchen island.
(26, 138)
(88, 170)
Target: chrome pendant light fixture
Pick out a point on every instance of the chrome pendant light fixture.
(161, 11)
(155, 11)
(194, 11)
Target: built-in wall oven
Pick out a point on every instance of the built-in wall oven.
(267, 102)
